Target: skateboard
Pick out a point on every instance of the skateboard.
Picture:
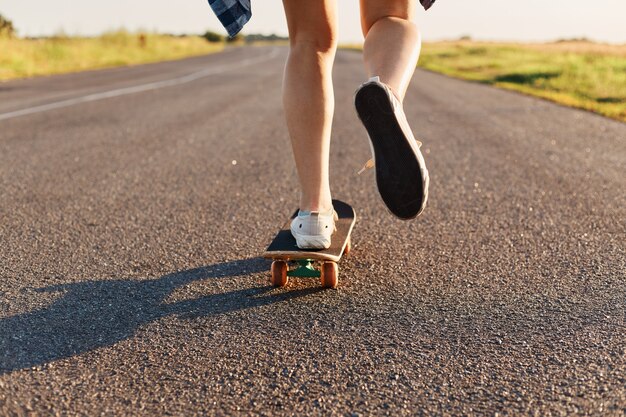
(311, 263)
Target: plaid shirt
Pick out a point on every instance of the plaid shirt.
(234, 14)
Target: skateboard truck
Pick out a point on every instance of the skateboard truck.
(305, 269)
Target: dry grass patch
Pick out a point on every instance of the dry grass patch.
(21, 58)
(580, 74)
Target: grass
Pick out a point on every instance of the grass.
(21, 58)
(579, 74)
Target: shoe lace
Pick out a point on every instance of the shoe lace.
(368, 165)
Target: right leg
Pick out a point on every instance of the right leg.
(308, 95)
(390, 52)
(392, 42)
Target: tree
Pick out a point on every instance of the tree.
(213, 37)
(6, 27)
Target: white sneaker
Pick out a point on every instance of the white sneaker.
(313, 229)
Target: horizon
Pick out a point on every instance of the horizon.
(493, 21)
(469, 38)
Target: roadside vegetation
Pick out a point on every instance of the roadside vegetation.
(576, 73)
(29, 57)
(580, 74)
(22, 58)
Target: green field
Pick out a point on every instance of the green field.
(21, 58)
(580, 74)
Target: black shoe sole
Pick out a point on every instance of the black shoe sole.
(402, 182)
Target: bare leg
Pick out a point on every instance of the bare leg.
(391, 51)
(308, 97)
(392, 42)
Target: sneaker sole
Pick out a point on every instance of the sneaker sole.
(401, 174)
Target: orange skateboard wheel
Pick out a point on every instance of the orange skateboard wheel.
(329, 274)
(279, 273)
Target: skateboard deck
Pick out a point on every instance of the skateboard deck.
(283, 249)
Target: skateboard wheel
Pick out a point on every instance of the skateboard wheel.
(279, 273)
(348, 247)
(329, 274)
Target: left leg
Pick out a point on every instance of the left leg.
(309, 104)
(308, 95)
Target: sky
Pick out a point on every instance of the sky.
(510, 20)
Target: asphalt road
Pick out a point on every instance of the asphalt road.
(136, 202)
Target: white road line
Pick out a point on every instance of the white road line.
(139, 88)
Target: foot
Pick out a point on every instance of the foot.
(401, 173)
(313, 229)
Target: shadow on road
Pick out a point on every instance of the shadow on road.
(93, 314)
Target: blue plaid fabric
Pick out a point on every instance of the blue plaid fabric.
(233, 14)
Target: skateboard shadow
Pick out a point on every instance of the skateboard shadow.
(93, 314)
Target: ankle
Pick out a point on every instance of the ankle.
(320, 205)
(392, 88)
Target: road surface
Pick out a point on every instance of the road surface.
(136, 202)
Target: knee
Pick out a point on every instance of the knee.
(400, 18)
(322, 42)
